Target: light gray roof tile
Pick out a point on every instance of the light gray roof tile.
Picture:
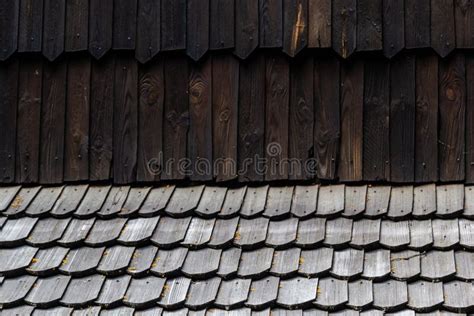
(251, 232)
(425, 296)
(156, 200)
(338, 231)
(14, 231)
(144, 292)
(233, 201)
(449, 199)
(170, 231)
(458, 296)
(174, 293)
(311, 232)
(360, 294)
(184, 200)
(394, 235)
(48, 291)
(401, 202)
(390, 295)
(135, 199)
(304, 201)
(76, 232)
(13, 260)
(199, 232)
(168, 262)
(113, 291)
(81, 292)
(365, 233)
(254, 201)
(233, 293)
(406, 265)
(332, 293)
(282, 233)
(44, 201)
(81, 261)
(256, 262)
(92, 201)
(138, 230)
(142, 260)
(356, 197)
(69, 199)
(438, 265)
(424, 200)
(47, 261)
(14, 290)
(224, 232)
(211, 201)
(348, 263)
(47, 231)
(297, 292)
(286, 262)
(316, 261)
(278, 201)
(114, 202)
(330, 200)
(201, 263)
(203, 293)
(378, 198)
(115, 260)
(104, 232)
(376, 264)
(263, 292)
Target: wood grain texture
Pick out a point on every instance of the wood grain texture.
(148, 30)
(101, 14)
(344, 27)
(295, 26)
(30, 30)
(402, 119)
(53, 28)
(76, 157)
(197, 28)
(225, 93)
(77, 25)
(9, 19)
(125, 120)
(352, 112)
(327, 129)
(246, 27)
(452, 112)
(271, 23)
(319, 23)
(443, 37)
(173, 24)
(222, 24)
(469, 118)
(200, 120)
(125, 24)
(417, 24)
(369, 25)
(393, 27)
(464, 17)
(426, 142)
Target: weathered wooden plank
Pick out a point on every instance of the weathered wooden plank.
(53, 112)
(401, 202)
(365, 233)
(344, 27)
(282, 233)
(83, 291)
(197, 28)
(466, 232)
(377, 201)
(297, 292)
(424, 201)
(184, 200)
(92, 201)
(125, 120)
(464, 265)
(468, 202)
(125, 23)
(355, 198)
(14, 290)
(76, 232)
(315, 262)
(376, 120)
(425, 295)
(311, 232)
(330, 200)
(417, 24)
(464, 17)
(255, 201)
(405, 264)
(48, 261)
(271, 23)
(77, 25)
(469, 151)
(47, 231)
(173, 24)
(105, 231)
(338, 231)
(22, 200)
(170, 231)
(211, 201)
(251, 232)
(114, 202)
(151, 88)
(390, 295)
(246, 27)
(202, 293)
(449, 199)
(144, 292)
(225, 90)
(393, 27)
(53, 28)
(319, 23)
(452, 108)
(113, 291)
(369, 25)
(461, 298)
(175, 293)
(199, 232)
(156, 200)
(233, 202)
(438, 265)
(138, 230)
(333, 293)
(295, 20)
(30, 31)
(376, 264)
(263, 292)
(81, 260)
(148, 30)
(135, 200)
(426, 142)
(9, 13)
(221, 24)
(201, 263)
(304, 201)
(101, 13)
(348, 263)
(169, 262)
(15, 260)
(445, 233)
(233, 293)
(142, 260)
(230, 261)
(286, 262)
(360, 294)
(115, 260)
(224, 232)
(443, 37)
(394, 235)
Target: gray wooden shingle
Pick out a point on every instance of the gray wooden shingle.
(7, 194)
(401, 202)
(256, 262)
(394, 235)
(330, 200)
(201, 263)
(466, 232)
(174, 293)
(438, 265)
(316, 261)
(286, 262)
(348, 263)
(360, 294)
(314, 312)
(46, 261)
(464, 265)
(311, 232)
(424, 200)
(421, 234)
(406, 265)
(76, 232)
(115, 260)
(170, 231)
(81, 260)
(229, 264)
(69, 199)
(17, 311)
(263, 293)
(114, 202)
(305, 200)
(153, 311)
(92, 201)
(445, 233)
(83, 291)
(47, 231)
(425, 296)
(365, 233)
(199, 232)
(142, 260)
(21, 201)
(56, 311)
(286, 312)
(458, 296)
(390, 295)
(449, 199)
(178, 312)
(14, 260)
(135, 199)
(156, 200)
(168, 262)
(44, 201)
(203, 293)
(14, 290)
(278, 201)
(297, 292)
(144, 292)
(138, 230)
(251, 232)
(338, 231)
(16, 230)
(376, 264)
(233, 293)
(235, 312)
(332, 294)
(113, 291)
(211, 201)
(233, 201)
(122, 311)
(282, 233)
(356, 197)
(378, 198)
(104, 232)
(468, 202)
(224, 232)
(48, 291)
(254, 201)
(184, 200)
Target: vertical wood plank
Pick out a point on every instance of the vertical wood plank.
(464, 17)
(417, 24)
(352, 111)
(402, 119)
(369, 25)
(301, 119)
(173, 24)
(452, 111)
(125, 120)
(426, 144)
(222, 24)
(53, 28)
(393, 27)
(151, 89)
(376, 120)
(327, 116)
(148, 30)
(77, 25)
(344, 27)
(101, 14)
(200, 120)
(125, 24)
(225, 92)
(8, 119)
(28, 124)
(30, 31)
(176, 123)
(295, 30)
(246, 27)
(53, 112)
(443, 37)
(319, 23)
(9, 20)
(101, 119)
(271, 23)
(469, 118)
(276, 117)
(197, 28)
(76, 162)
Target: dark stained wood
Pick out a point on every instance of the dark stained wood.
(271, 23)
(276, 116)
(30, 31)
(352, 110)
(426, 143)
(469, 118)
(100, 27)
(53, 112)
(173, 24)
(295, 30)
(151, 89)
(442, 26)
(148, 30)
(344, 27)
(319, 23)
(101, 119)
(176, 117)
(77, 25)
(246, 27)
(393, 27)
(225, 92)
(125, 24)
(222, 24)
(9, 19)
(417, 24)
(200, 120)
(369, 25)
(197, 28)
(464, 17)
(376, 120)
(301, 119)
(327, 127)
(8, 119)
(76, 157)
(251, 117)
(53, 28)
(402, 119)
(452, 108)
(125, 120)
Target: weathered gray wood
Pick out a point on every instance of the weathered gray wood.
(278, 201)
(256, 262)
(390, 295)
(201, 263)
(449, 199)
(254, 201)
(174, 293)
(192, 313)
(16, 230)
(69, 199)
(156, 200)
(468, 202)
(378, 198)
(3, 219)
(115, 260)
(360, 294)
(282, 233)
(203, 293)
(14, 260)
(233, 201)
(142, 260)
(286, 312)
(47, 231)
(332, 293)
(311, 232)
(365, 233)
(22, 200)
(92, 201)
(338, 231)
(251, 232)
(421, 234)
(424, 200)
(168, 262)
(48, 291)
(464, 265)
(184, 200)
(330, 200)
(81, 260)
(14, 290)
(316, 261)
(7, 194)
(122, 311)
(77, 231)
(445, 233)
(466, 232)
(135, 199)
(199, 232)
(313, 312)
(105, 231)
(114, 202)
(348, 263)
(263, 292)
(229, 264)
(224, 232)
(459, 296)
(138, 230)
(178, 312)
(20, 310)
(170, 231)
(376, 264)
(394, 235)
(47, 260)
(90, 311)
(232, 293)
(211, 201)
(425, 296)
(297, 292)
(305, 200)
(144, 292)
(438, 265)
(355, 200)
(401, 202)
(406, 265)
(44, 201)
(83, 291)
(286, 262)
(113, 291)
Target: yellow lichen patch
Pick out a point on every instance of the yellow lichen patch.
(132, 269)
(65, 261)
(318, 290)
(17, 202)
(34, 260)
(237, 235)
(301, 260)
